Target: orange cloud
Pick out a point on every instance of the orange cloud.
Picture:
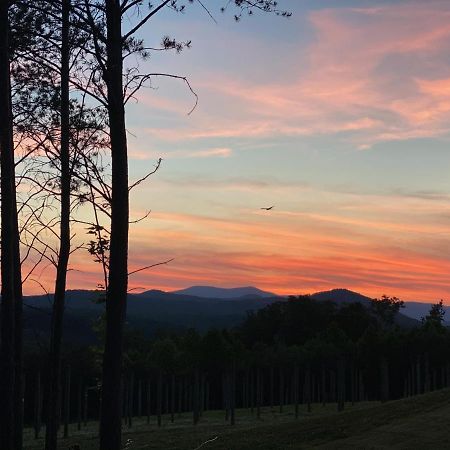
(348, 81)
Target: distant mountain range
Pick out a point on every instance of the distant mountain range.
(200, 307)
(224, 293)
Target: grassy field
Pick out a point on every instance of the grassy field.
(416, 423)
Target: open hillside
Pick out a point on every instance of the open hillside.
(414, 423)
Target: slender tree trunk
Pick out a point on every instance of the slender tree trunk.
(281, 386)
(418, 377)
(37, 406)
(245, 389)
(258, 393)
(307, 389)
(225, 394)
(166, 397)
(159, 394)
(232, 395)
(85, 406)
(19, 383)
(54, 390)
(384, 377)
(79, 404)
(252, 391)
(323, 385)
(186, 394)
(271, 395)
(361, 388)
(190, 397)
(427, 377)
(180, 397)
(125, 402)
(67, 403)
(8, 381)
(261, 390)
(172, 399)
(139, 399)
(341, 385)
(352, 384)
(131, 401)
(332, 386)
(116, 302)
(149, 398)
(296, 391)
(196, 402)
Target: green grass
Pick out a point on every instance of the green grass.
(416, 423)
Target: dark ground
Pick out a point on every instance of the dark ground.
(415, 423)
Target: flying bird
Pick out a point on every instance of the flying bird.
(269, 208)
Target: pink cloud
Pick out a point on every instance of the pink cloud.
(213, 152)
(348, 82)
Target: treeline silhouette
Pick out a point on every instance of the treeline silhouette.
(287, 356)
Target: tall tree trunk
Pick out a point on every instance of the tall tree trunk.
(19, 382)
(149, 399)
(427, 375)
(258, 393)
(232, 394)
(172, 399)
(166, 396)
(341, 385)
(67, 403)
(384, 378)
(252, 390)
(207, 396)
(139, 399)
(361, 393)
(180, 397)
(79, 403)
(307, 389)
(296, 391)
(159, 398)
(271, 395)
(418, 377)
(281, 386)
(125, 402)
(85, 406)
(131, 400)
(196, 402)
(8, 216)
(116, 302)
(323, 386)
(37, 406)
(54, 389)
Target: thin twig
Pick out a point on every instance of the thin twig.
(150, 266)
(207, 442)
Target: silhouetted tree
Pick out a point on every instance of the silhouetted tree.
(386, 308)
(10, 380)
(436, 314)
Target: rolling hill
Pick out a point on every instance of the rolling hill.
(223, 293)
(155, 310)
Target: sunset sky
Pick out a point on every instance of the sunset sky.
(338, 116)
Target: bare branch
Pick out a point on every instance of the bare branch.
(150, 266)
(138, 182)
(145, 20)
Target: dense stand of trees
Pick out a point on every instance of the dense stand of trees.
(311, 354)
(65, 79)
